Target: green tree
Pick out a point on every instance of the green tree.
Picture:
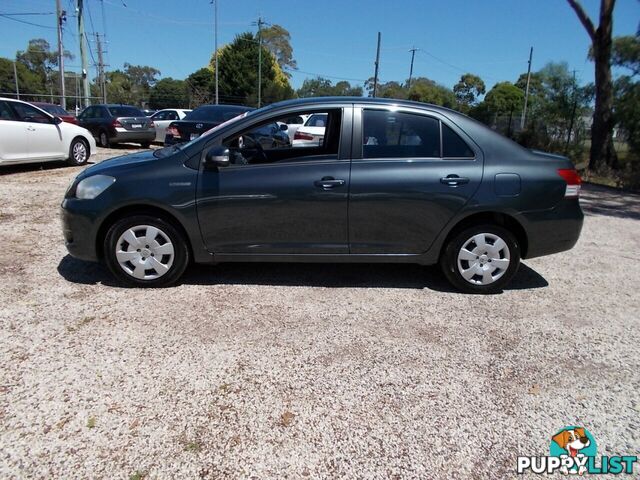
(28, 81)
(40, 60)
(200, 84)
(141, 79)
(602, 151)
(427, 91)
(322, 87)
(467, 91)
(390, 89)
(238, 76)
(169, 93)
(277, 40)
(626, 53)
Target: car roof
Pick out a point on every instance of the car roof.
(360, 100)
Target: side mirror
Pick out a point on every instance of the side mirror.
(217, 157)
(284, 127)
(57, 120)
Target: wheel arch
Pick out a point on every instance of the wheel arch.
(492, 217)
(84, 140)
(139, 209)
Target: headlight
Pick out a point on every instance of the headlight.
(90, 187)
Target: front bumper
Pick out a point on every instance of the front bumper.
(554, 230)
(79, 228)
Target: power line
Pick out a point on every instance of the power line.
(8, 17)
(26, 13)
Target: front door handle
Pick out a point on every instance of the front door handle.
(328, 182)
(454, 180)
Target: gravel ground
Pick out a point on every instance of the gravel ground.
(308, 371)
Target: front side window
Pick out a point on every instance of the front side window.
(5, 112)
(27, 113)
(388, 134)
(269, 141)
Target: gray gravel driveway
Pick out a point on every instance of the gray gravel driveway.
(308, 371)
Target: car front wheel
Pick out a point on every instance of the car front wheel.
(481, 259)
(145, 251)
(78, 152)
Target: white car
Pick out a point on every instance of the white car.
(311, 134)
(29, 134)
(293, 124)
(162, 119)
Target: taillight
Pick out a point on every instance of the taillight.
(573, 180)
(116, 123)
(302, 136)
(173, 130)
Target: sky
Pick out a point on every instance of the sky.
(332, 38)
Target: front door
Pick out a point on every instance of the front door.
(278, 199)
(43, 136)
(411, 173)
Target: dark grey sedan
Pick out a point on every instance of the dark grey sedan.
(391, 181)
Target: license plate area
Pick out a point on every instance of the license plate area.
(136, 125)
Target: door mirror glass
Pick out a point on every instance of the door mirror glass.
(56, 120)
(284, 127)
(217, 157)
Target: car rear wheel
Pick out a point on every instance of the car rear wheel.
(481, 259)
(145, 251)
(78, 152)
(103, 139)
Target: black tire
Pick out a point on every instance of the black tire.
(103, 139)
(145, 144)
(180, 251)
(450, 267)
(78, 152)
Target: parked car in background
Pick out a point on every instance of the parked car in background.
(312, 132)
(148, 112)
(162, 119)
(29, 134)
(112, 124)
(293, 123)
(455, 193)
(199, 120)
(57, 111)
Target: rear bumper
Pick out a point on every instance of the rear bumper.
(554, 230)
(79, 229)
(133, 136)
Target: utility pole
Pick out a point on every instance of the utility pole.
(375, 76)
(61, 16)
(215, 42)
(15, 77)
(103, 84)
(260, 23)
(83, 52)
(413, 55)
(526, 93)
(573, 112)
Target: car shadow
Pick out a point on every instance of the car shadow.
(334, 275)
(610, 202)
(36, 167)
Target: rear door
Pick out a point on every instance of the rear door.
(405, 185)
(278, 200)
(13, 135)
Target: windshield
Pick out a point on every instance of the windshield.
(53, 109)
(212, 113)
(124, 111)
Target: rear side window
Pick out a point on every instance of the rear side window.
(453, 146)
(5, 112)
(388, 134)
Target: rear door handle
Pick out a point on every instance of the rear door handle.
(454, 180)
(328, 182)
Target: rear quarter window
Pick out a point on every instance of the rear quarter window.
(453, 146)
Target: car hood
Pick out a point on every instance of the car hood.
(118, 164)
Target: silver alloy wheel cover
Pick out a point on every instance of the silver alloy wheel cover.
(483, 259)
(145, 252)
(79, 152)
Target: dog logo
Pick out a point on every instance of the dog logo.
(574, 442)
